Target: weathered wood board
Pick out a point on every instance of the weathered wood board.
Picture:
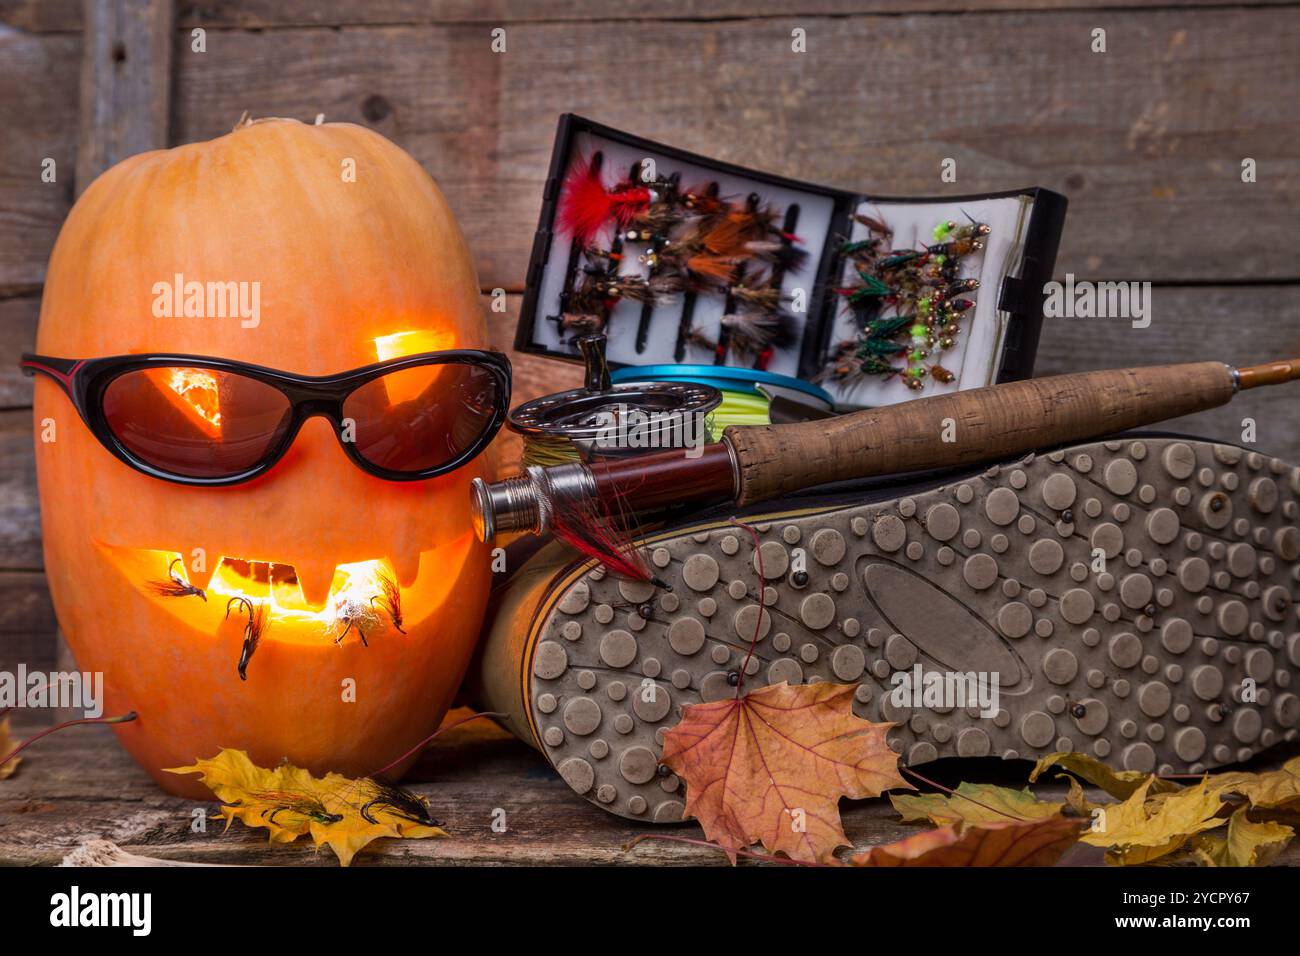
(39, 80)
(17, 335)
(1021, 101)
(125, 97)
(44, 16)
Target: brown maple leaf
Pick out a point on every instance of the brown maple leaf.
(1010, 843)
(770, 767)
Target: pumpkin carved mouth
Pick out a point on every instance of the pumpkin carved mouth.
(363, 599)
(361, 594)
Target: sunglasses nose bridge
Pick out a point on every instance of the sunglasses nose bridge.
(311, 401)
(319, 408)
(330, 411)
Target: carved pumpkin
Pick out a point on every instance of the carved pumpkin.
(357, 258)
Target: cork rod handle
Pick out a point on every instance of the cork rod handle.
(981, 424)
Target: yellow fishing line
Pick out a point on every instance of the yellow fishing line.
(546, 450)
(738, 408)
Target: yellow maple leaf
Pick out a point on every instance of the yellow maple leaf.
(1077, 799)
(1038, 842)
(289, 802)
(1145, 827)
(1117, 783)
(1245, 842)
(1271, 789)
(975, 803)
(7, 745)
(771, 766)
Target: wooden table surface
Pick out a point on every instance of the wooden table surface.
(1146, 140)
(79, 787)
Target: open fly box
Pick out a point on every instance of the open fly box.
(678, 258)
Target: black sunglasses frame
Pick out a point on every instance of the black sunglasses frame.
(84, 381)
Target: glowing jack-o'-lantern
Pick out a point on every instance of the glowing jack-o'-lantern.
(366, 595)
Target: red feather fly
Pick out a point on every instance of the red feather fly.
(592, 527)
(586, 206)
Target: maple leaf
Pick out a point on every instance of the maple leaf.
(770, 767)
(7, 745)
(1117, 783)
(289, 802)
(1145, 827)
(975, 803)
(1273, 788)
(1038, 842)
(1245, 843)
(1076, 798)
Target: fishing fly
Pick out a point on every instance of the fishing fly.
(176, 585)
(396, 801)
(389, 600)
(254, 629)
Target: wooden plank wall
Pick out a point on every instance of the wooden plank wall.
(1146, 140)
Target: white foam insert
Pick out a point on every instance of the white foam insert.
(813, 227)
(974, 358)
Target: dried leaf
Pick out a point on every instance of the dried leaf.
(1009, 843)
(1076, 798)
(1244, 843)
(289, 802)
(1159, 820)
(975, 803)
(771, 767)
(1118, 783)
(1146, 827)
(7, 745)
(1273, 788)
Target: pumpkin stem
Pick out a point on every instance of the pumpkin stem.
(246, 120)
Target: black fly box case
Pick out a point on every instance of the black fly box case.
(678, 258)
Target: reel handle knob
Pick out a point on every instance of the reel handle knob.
(592, 349)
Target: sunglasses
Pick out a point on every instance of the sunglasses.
(198, 420)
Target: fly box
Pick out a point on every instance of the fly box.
(679, 258)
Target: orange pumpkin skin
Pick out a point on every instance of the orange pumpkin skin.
(342, 261)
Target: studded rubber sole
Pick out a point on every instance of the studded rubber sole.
(1144, 664)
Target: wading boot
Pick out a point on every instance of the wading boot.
(1131, 599)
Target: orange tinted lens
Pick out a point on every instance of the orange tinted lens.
(422, 418)
(196, 422)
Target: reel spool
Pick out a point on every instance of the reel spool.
(749, 396)
(603, 420)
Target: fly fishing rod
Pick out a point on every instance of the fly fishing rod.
(760, 462)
